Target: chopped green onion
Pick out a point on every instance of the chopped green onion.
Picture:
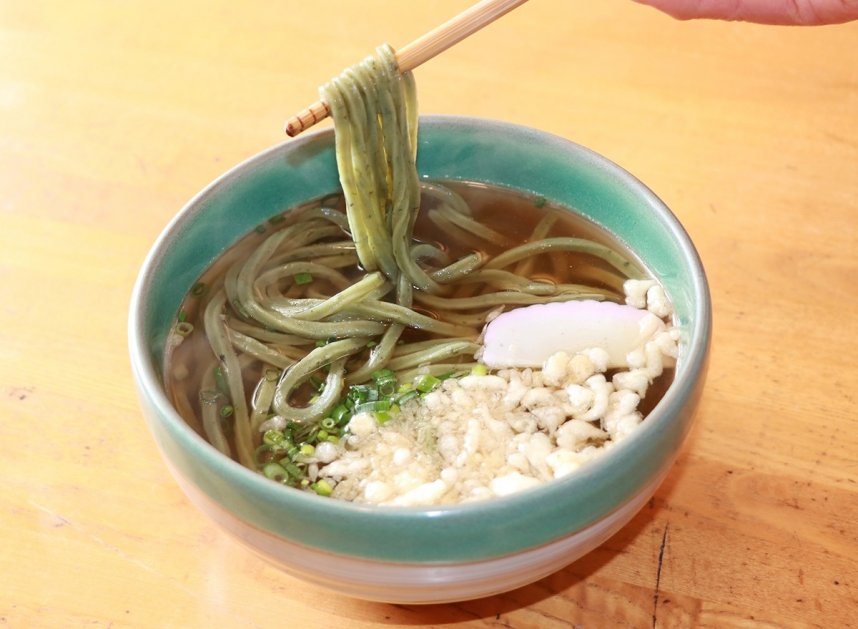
(479, 370)
(383, 375)
(220, 381)
(539, 202)
(263, 454)
(274, 438)
(183, 328)
(371, 344)
(341, 414)
(260, 229)
(361, 393)
(279, 456)
(226, 411)
(199, 289)
(277, 218)
(385, 380)
(183, 316)
(403, 398)
(322, 487)
(293, 470)
(303, 278)
(274, 471)
(377, 406)
(427, 383)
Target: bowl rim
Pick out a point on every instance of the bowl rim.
(690, 370)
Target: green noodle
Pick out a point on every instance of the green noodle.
(229, 364)
(293, 310)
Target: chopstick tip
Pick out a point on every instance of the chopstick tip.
(307, 118)
(291, 128)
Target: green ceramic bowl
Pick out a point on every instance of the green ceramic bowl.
(432, 554)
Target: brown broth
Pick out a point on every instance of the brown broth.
(511, 213)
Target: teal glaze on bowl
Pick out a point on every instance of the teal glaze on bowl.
(449, 148)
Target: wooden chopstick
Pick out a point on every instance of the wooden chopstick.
(420, 50)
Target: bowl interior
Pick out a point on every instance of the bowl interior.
(449, 148)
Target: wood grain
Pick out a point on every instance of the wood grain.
(113, 114)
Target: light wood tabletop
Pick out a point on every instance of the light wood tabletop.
(113, 114)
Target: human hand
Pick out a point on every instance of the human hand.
(796, 12)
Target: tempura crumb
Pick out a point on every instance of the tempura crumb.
(481, 436)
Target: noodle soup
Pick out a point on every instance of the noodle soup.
(407, 445)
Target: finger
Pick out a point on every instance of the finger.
(796, 12)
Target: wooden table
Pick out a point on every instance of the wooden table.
(113, 114)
